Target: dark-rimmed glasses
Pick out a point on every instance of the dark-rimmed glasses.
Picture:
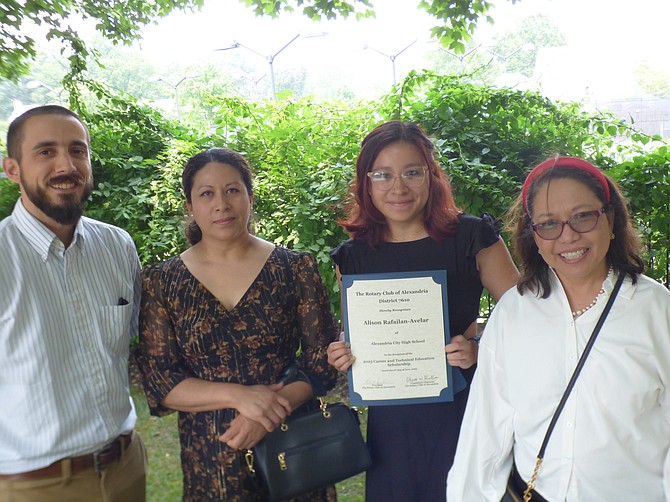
(581, 223)
(413, 177)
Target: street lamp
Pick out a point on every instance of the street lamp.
(461, 58)
(503, 58)
(392, 57)
(35, 84)
(254, 80)
(271, 58)
(175, 87)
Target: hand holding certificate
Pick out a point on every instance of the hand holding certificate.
(397, 325)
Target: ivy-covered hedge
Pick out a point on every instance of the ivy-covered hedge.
(303, 155)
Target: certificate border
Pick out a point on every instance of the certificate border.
(454, 379)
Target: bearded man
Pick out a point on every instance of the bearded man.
(68, 310)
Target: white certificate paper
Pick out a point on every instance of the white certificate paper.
(397, 325)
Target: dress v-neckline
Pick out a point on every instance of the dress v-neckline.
(242, 299)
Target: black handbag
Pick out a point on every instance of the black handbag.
(308, 451)
(515, 490)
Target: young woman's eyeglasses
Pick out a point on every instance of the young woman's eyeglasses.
(412, 177)
(581, 223)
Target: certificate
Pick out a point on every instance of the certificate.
(397, 326)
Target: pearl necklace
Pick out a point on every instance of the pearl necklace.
(577, 313)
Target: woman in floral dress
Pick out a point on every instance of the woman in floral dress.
(220, 323)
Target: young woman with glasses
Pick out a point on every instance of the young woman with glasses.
(402, 218)
(574, 239)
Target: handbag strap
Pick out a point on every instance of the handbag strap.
(571, 384)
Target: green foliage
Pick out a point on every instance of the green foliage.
(129, 143)
(165, 237)
(487, 138)
(645, 179)
(459, 20)
(12, 42)
(303, 154)
(120, 21)
(9, 192)
(313, 9)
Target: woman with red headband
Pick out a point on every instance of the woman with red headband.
(581, 279)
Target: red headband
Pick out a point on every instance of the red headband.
(573, 162)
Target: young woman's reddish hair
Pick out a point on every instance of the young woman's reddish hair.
(364, 221)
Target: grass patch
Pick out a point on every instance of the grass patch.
(161, 438)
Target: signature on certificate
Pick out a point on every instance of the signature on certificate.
(421, 380)
(375, 384)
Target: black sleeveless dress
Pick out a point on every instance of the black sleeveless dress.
(413, 446)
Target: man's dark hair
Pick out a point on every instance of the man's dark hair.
(15, 133)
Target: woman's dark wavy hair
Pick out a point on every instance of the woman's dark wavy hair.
(364, 221)
(622, 255)
(200, 160)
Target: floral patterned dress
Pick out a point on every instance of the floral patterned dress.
(186, 332)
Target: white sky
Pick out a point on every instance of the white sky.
(194, 38)
(606, 40)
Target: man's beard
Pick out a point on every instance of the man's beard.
(69, 209)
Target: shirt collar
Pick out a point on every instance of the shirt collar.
(627, 287)
(39, 236)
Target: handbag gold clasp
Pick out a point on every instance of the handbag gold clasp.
(249, 457)
(323, 406)
(282, 461)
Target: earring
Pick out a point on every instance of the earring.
(612, 236)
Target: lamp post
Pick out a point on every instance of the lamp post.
(254, 80)
(271, 58)
(35, 84)
(503, 58)
(175, 87)
(461, 58)
(392, 57)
